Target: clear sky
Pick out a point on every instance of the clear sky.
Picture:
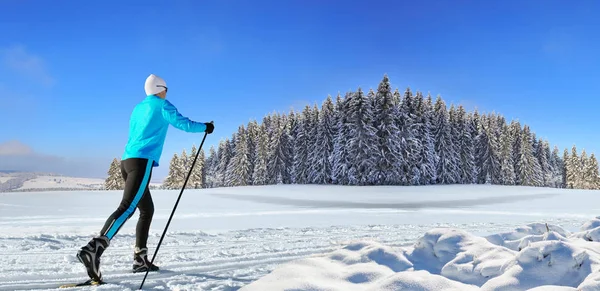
(71, 71)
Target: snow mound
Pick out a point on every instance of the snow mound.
(535, 257)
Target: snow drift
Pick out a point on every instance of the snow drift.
(536, 257)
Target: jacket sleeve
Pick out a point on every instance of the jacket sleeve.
(172, 115)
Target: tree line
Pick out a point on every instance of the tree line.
(384, 137)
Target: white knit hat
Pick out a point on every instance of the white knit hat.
(154, 84)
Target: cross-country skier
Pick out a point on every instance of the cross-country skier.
(148, 126)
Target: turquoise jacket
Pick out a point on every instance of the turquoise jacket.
(148, 126)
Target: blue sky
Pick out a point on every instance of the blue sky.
(71, 71)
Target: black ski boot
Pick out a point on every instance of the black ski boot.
(141, 263)
(89, 256)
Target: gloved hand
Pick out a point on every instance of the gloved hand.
(209, 127)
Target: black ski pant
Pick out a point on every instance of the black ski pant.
(137, 173)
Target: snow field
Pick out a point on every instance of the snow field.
(315, 237)
(54, 182)
(528, 258)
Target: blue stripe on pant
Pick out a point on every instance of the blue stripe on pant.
(140, 192)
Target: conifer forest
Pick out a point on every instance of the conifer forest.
(381, 137)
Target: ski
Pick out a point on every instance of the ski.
(89, 282)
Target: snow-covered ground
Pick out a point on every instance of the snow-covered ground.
(472, 237)
(61, 182)
(25, 181)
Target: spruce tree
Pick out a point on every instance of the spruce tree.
(428, 158)
(573, 169)
(202, 161)
(361, 141)
(259, 174)
(323, 148)
(557, 169)
(173, 181)
(224, 158)
(408, 140)
(485, 156)
(592, 173)
(252, 141)
(388, 155)
(507, 170)
(212, 164)
(466, 147)
(280, 161)
(516, 134)
(527, 161)
(448, 158)
(184, 163)
(291, 130)
(583, 164)
(341, 156)
(301, 147)
(543, 159)
(114, 181)
(197, 177)
(567, 183)
(239, 168)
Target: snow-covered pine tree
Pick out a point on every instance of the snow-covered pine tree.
(259, 174)
(230, 173)
(495, 130)
(537, 169)
(114, 181)
(566, 170)
(252, 140)
(312, 131)
(592, 173)
(184, 163)
(239, 167)
(225, 155)
(466, 147)
(197, 177)
(292, 128)
(507, 170)
(447, 167)
(557, 166)
(361, 141)
(323, 148)
(516, 133)
(388, 155)
(485, 154)
(543, 158)
(583, 161)
(527, 161)
(210, 165)
(280, 144)
(455, 136)
(301, 147)
(272, 144)
(341, 157)
(428, 157)
(172, 181)
(573, 169)
(476, 134)
(408, 141)
(202, 161)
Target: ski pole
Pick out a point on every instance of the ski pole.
(174, 208)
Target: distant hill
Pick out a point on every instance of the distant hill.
(11, 181)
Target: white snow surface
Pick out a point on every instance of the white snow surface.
(300, 237)
(58, 182)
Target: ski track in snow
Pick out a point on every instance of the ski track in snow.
(193, 260)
